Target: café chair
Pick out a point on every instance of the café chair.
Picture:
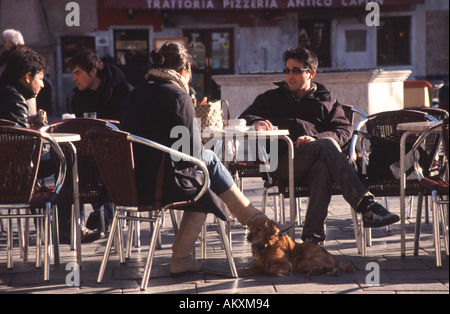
(113, 151)
(438, 114)
(4, 122)
(438, 188)
(90, 185)
(19, 163)
(381, 129)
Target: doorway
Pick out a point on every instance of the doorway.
(213, 54)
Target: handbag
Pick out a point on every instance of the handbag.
(211, 114)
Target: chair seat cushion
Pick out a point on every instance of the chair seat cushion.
(442, 187)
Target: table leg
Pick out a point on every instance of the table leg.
(293, 203)
(76, 199)
(402, 193)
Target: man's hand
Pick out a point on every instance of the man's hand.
(303, 140)
(263, 125)
(38, 120)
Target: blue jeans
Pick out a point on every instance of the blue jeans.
(221, 180)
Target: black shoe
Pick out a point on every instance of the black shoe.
(313, 239)
(89, 236)
(93, 221)
(378, 216)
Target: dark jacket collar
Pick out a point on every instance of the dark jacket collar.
(25, 92)
(320, 92)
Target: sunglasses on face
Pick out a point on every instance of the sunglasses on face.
(295, 71)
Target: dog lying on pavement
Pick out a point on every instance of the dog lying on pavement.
(278, 255)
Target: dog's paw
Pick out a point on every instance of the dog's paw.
(334, 273)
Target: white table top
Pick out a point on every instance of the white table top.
(65, 137)
(247, 131)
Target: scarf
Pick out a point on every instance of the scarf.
(160, 74)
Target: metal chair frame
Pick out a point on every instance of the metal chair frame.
(89, 177)
(127, 202)
(438, 196)
(21, 197)
(383, 124)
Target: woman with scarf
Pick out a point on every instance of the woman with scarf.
(152, 111)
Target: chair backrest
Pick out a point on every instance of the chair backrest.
(90, 186)
(432, 141)
(4, 122)
(19, 162)
(113, 153)
(384, 124)
(437, 113)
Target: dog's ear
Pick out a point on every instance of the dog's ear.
(272, 232)
(272, 226)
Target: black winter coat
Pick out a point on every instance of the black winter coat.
(107, 100)
(153, 109)
(316, 114)
(13, 103)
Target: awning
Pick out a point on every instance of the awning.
(246, 4)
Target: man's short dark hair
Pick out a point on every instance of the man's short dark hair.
(22, 61)
(86, 60)
(305, 56)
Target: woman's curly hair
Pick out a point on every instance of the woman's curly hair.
(22, 61)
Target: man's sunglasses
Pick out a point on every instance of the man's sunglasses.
(295, 71)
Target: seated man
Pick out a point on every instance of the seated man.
(20, 82)
(318, 127)
(101, 88)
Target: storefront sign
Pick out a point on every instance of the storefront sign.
(245, 4)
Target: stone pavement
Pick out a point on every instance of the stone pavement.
(411, 275)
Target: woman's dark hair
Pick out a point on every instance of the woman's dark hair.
(86, 60)
(171, 56)
(305, 56)
(20, 62)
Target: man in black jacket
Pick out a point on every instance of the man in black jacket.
(20, 82)
(101, 88)
(318, 127)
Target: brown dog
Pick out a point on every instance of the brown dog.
(277, 255)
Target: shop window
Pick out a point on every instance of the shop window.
(393, 41)
(71, 45)
(131, 51)
(315, 35)
(130, 44)
(213, 53)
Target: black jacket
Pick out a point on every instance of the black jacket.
(152, 111)
(13, 103)
(107, 100)
(316, 114)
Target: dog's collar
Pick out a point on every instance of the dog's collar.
(283, 229)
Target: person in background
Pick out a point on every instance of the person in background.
(11, 40)
(101, 88)
(20, 82)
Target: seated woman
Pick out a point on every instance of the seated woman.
(152, 111)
